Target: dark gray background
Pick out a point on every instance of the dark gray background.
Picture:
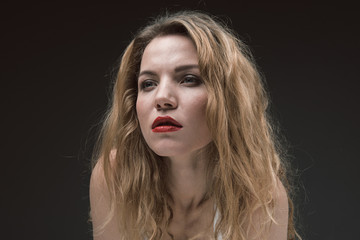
(56, 61)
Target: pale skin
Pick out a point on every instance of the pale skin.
(170, 85)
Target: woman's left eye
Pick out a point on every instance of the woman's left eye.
(191, 80)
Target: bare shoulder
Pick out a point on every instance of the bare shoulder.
(279, 227)
(104, 228)
(279, 224)
(280, 197)
(97, 180)
(97, 176)
(97, 183)
(99, 200)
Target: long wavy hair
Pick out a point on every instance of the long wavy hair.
(244, 154)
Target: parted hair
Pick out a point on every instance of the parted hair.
(244, 155)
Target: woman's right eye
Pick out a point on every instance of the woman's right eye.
(147, 85)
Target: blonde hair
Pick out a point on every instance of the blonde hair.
(245, 158)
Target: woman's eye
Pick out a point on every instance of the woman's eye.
(191, 80)
(147, 85)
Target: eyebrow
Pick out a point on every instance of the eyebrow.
(177, 69)
(186, 67)
(147, 72)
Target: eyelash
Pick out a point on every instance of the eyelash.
(143, 84)
(195, 82)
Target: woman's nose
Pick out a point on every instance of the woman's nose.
(165, 98)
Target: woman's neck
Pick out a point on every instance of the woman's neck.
(188, 183)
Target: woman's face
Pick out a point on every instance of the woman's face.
(171, 98)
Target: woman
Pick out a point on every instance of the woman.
(187, 150)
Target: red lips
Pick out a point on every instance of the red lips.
(165, 124)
